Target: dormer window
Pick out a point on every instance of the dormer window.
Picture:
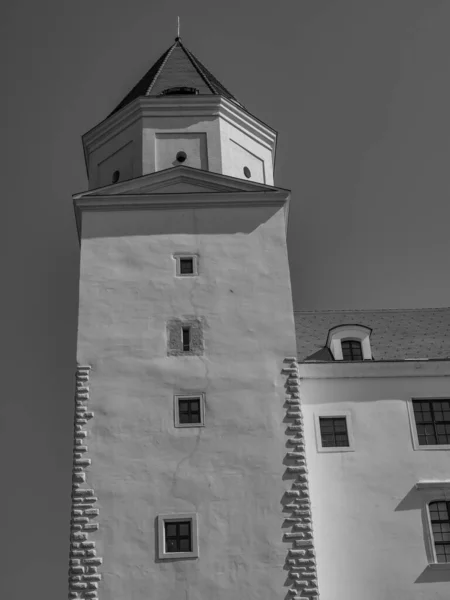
(351, 350)
(179, 91)
(350, 342)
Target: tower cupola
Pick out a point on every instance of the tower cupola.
(179, 113)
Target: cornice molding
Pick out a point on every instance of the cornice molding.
(374, 369)
(432, 485)
(126, 202)
(195, 106)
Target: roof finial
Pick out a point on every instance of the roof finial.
(178, 29)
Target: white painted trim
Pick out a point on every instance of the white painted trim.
(162, 554)
(337, 335)
(413, 427)
(432, 491)
(374, 369)
(178, 256)
(433, 485)
(176, 414)
(196, 106)
(337, 414)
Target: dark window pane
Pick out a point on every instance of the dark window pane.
(185, 545)
(189, 410)
(351, 350)
(333, 431)
(186, 335)
(327, 442)
(171, 529)
(178, 536)
(171, 545)
(432, 421)
(439, 513)
(186, 266)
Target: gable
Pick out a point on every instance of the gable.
(180, 180)
(182, 187)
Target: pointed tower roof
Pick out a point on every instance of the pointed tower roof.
(176, 68)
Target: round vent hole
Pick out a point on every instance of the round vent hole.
(181, 156)
(115, 176)
(247, 172)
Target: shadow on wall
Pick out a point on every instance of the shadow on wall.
(192, 221)
(430, 575)
(414, 500)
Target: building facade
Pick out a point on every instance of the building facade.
(225, 446)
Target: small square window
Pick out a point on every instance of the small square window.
(177, 536)
(189, 411)
(186, 265)
(334, 433)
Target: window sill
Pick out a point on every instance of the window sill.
(335, 449)
(439, 566)
(181, 555)
(436, 447)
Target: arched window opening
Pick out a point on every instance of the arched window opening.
(440, 525)
(351, 350)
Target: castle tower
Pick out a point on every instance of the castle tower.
(189, 474)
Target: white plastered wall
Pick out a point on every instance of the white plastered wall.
(202, 131)
(230, 472)
(122, 151)
(239, 149)
(368, 518)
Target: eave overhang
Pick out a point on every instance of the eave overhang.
(374, 369)
(167, 201)
(182, 106)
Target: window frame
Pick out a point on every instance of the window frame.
(187, 328)
(338, 414)
(357, 333)
(351, 341)
(189, 396)
(413, 424)
(432, 491)
(179, 256)
(173, 518)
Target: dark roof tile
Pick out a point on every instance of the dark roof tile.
(396, 334)
(177, 67)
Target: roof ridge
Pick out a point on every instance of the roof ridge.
(372, 310)
(152, 83)
(194, 62)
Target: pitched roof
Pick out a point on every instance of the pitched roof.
(396, 334)
(177, 67)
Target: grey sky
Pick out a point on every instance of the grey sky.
(359, 92)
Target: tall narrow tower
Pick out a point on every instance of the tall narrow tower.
(184, 394)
